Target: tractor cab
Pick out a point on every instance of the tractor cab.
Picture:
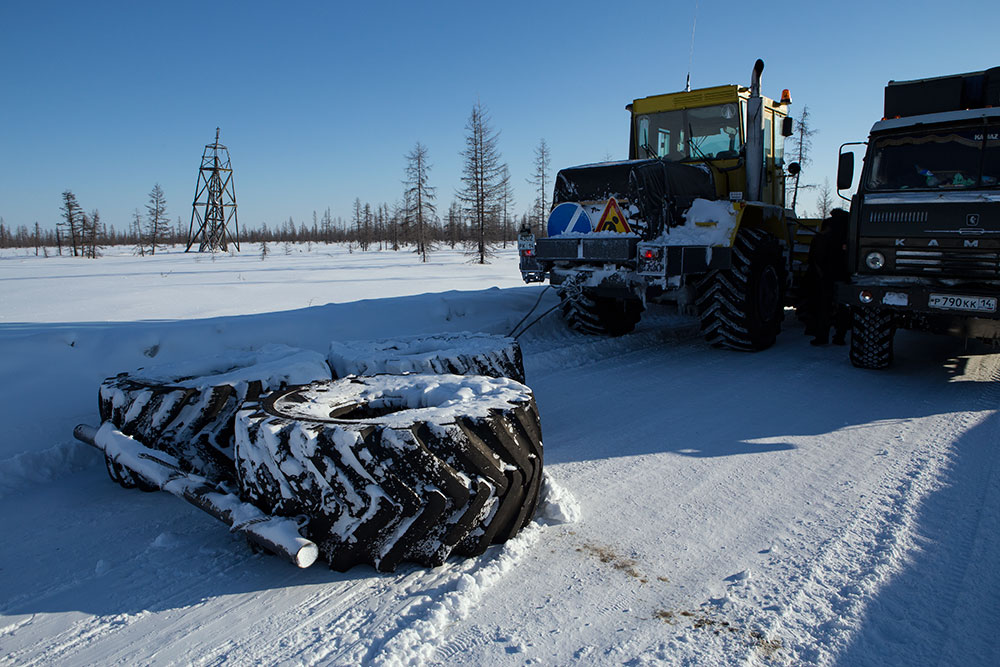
(709, 127)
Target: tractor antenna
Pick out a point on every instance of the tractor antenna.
(694, 24)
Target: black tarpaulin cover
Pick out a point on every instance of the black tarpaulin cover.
(660, 189)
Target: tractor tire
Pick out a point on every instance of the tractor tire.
(871, 338)
(598, 315)
(452, 353)
(741, 308)
(393, 468)
(186, 409)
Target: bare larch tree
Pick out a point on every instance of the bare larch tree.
(800, 146)
(420, 194)
(481, 177)
(72, 218)
(540, 180)
(157, 222)
(505, 202)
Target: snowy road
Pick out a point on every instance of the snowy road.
(771, 508)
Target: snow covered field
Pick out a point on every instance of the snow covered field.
(771, 508)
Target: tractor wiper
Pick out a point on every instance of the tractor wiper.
(649, 151)
(694, 146)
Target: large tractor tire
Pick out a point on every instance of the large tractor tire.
(186, 409)
(393, 468)
(741, 308)
(449, 353)
(871, 338)
(588, 313)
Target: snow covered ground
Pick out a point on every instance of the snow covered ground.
(771, 508)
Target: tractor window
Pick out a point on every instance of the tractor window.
(643, 131)
(779, 144)
(663, 142)
(768, 144)
(944, 159)
(691, 134)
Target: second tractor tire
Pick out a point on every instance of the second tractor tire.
(393, 468)
(741, 307)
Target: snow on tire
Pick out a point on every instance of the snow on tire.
(186, 409)
(393, 468)
(457, 353)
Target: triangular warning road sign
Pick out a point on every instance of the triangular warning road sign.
(612, 219)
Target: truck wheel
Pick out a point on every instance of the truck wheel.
(871, 338)
(741, 308)
(456, 353)
(393, 468)
(186, 409)
(598, 315)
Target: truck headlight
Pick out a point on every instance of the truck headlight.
(875, 260)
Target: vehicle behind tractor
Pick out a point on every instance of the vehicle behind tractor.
(924, 242)
(696, 215)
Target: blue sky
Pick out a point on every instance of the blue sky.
(319, 102)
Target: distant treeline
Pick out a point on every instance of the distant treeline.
(380, 228)
(480, 216)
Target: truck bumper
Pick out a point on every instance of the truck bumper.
(650, 259)
(936, 308)
(600, 250)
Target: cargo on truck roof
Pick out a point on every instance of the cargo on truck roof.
(954, 92)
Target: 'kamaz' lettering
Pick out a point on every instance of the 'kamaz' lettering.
(971, 244)
(900, 242)
(932, 243)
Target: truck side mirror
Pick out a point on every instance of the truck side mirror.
(794, 168)
(786, 127)
(845, 171)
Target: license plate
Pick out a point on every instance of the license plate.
(979, 304)
(525, 244)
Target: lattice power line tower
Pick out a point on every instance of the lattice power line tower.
(214, 202)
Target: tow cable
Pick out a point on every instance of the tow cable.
(528, 314)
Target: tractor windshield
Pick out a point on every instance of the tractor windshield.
(948, 159)
(690, 134)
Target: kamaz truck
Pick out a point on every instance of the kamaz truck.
(696, 215)
(924, 240)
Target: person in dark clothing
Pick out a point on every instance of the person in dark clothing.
(828, 266)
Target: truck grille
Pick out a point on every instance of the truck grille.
(897, 216)
(949, 262)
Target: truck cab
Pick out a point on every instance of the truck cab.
(924, 241)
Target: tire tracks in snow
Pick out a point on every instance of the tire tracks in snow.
(826, 613)
(557, 348)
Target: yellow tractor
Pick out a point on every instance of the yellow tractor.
(696, 215)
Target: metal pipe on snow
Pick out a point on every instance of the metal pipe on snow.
(278, 535)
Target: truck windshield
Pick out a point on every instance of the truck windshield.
(949, 159)
(690, 134)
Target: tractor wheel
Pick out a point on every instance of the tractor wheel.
(871, 338)
(186, 409)
(741, 308)
(454, 353)
(599, 315)
(393, 468)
